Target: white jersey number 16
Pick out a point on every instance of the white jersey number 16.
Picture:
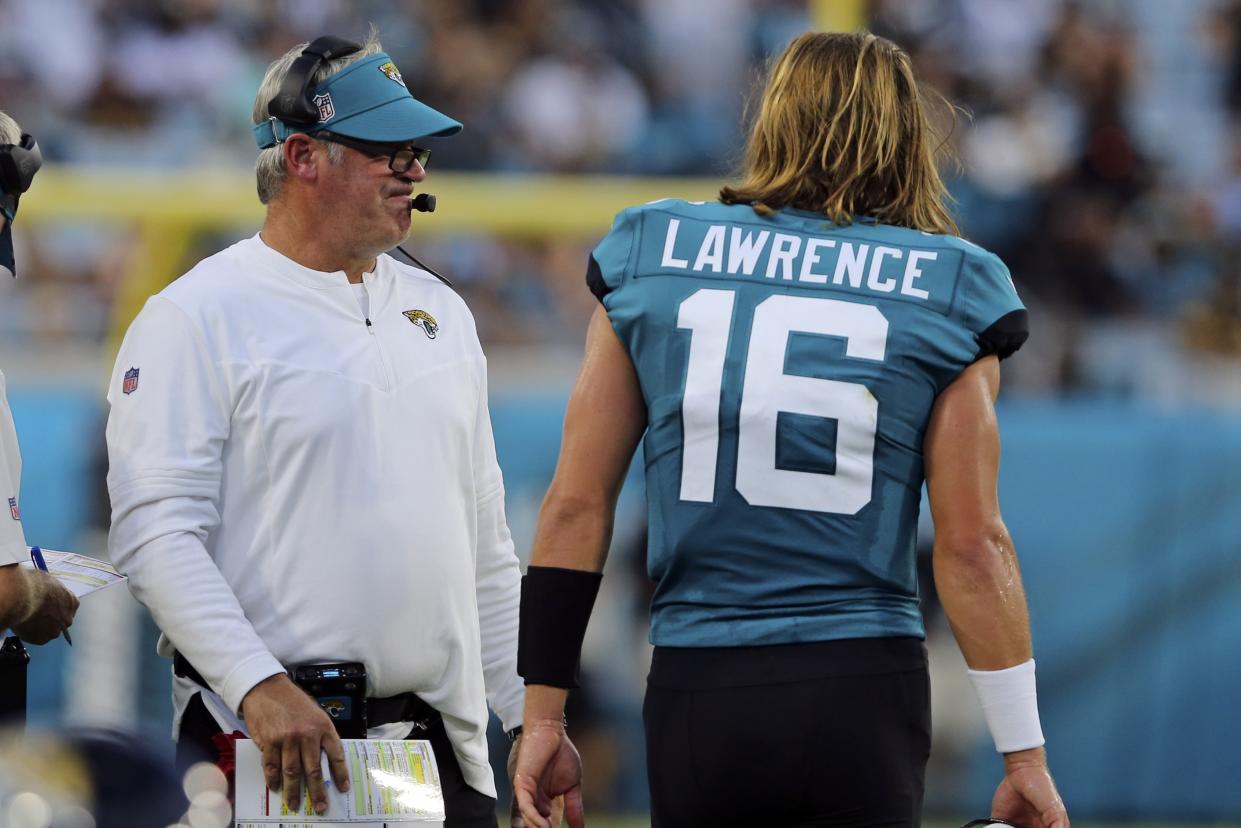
(768, 390)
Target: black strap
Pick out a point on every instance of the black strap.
(181, 667)
(292, 103)
(14, 661)
(403, 707)
(427, 268)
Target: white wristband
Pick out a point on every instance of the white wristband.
(1010, 706)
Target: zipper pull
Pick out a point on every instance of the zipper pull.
(370, 329)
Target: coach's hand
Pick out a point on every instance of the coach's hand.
(1028, 795)
(51, 607)
(548, 766)
(291, 730)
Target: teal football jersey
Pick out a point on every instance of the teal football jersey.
(789, 368)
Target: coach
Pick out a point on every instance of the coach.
(302, 468)
(32, 603)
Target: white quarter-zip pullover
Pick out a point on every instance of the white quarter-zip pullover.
(294, 481)
(12, 537)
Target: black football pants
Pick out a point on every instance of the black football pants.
(824, 734)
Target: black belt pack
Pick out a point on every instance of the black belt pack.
(340, 689)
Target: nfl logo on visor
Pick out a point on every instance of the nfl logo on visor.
(130, 385)
(324, 104)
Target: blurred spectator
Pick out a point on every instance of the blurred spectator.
(572, 108)
(1088, 138)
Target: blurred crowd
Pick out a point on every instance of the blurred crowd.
(1096, 140)
(1099, 158)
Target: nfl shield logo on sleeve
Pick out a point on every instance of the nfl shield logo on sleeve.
(130, 385)
(13, 510)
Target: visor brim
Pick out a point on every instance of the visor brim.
(404, 119)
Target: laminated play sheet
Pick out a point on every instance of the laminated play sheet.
(79, 574)
(391, 783)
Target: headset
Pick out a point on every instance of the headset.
(18, 164)
(292, 103)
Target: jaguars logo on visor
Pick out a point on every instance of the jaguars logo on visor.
(392, 72)
(423, 320)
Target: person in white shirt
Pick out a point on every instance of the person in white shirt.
(33, 604)
(302, 468)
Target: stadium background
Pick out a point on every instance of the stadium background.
(1100, 159)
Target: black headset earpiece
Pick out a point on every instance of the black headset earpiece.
(18, 164)
(292, 103)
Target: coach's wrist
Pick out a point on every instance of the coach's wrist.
(273, 685)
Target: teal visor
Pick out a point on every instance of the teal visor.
(366, 100)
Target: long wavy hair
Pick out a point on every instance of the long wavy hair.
(843, 129)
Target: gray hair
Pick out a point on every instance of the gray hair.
(269, 169)
(10, 132)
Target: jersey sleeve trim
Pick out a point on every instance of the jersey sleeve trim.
(1005, 335)
(594, 278)
(613, 259)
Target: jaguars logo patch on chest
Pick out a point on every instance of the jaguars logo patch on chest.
(423, 320)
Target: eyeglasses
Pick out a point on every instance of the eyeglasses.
(400, 157)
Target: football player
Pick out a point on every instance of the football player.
(801, 356)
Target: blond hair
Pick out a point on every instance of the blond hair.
(10, 132)
(269, 168)
(842, 129)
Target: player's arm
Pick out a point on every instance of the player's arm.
(976, 570)
(604, 421)
(979, 583)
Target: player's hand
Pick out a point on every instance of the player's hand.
(53, 608)
(547, 767)
(1028, 795)
(292, 730)
(516, 820)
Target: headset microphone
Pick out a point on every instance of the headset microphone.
(423, 203)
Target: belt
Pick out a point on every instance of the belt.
(403, 707)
